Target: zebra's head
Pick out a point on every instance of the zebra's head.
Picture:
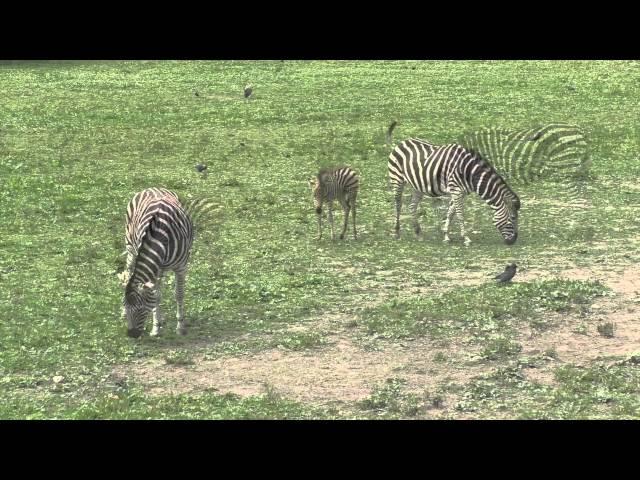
(505, 218)
(139, 300)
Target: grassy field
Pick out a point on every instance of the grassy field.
(283, 325)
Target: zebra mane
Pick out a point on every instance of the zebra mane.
(483, 162)
(126, 277)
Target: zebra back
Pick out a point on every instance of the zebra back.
(407, 161)
(334, 182)
(159, 233)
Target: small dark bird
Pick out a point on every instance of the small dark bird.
(201, 168)
(195, 92)
(248, 90)
(507, 275)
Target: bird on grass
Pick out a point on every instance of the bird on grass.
(248, 90)
(195, 92)
(201, 168)
(507, 275)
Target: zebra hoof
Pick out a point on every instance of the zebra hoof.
(181, 330)
(467, 242)
(446, 240)
(342, 236)
(154, 332)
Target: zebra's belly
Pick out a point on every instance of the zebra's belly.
(429, 190)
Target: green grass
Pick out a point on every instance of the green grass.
(595, 392)
(78, 139)
(487, 312)
(134, 404)
(389, 400)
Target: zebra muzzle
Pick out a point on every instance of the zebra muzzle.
(134, 332)
(511, 240)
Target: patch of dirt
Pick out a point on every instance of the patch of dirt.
(344, 371)
(576, 340)
(340, 372)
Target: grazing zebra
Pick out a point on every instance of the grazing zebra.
(336, 183)
(451, 170)
(159, 234)
(555, 151)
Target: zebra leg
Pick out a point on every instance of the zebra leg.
(130, 260)
(437, 204)
(397, 193)
(181, 329)
(346, 208)
(353, 207)
(458, 202)
(450, 213)
(330, 213)
(319, 225)
(157, 315)
(415, 201)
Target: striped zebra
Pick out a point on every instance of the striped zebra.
(159, 235)
(556, 151)
(335, 183)
(451, 170)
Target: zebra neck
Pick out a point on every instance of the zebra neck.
(489, 186)
(147, 265)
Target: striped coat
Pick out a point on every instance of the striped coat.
(159, 234)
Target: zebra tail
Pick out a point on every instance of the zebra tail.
(390, 131)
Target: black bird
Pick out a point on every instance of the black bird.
(201, 168)
(248, 90)
(507, 275)
(195, 92)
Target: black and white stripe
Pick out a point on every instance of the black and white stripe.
(451, 170)
(159, 235)
(556, 152)
(336, 183)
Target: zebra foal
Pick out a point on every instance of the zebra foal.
(159, 234)
(335, 183)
